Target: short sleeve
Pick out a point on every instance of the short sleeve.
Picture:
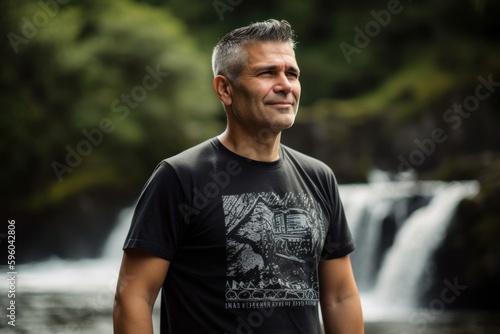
(339, 241)
(157, 224)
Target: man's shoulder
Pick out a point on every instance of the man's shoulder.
(305, 161)
(193, 155)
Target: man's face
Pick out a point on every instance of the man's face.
(268, 90)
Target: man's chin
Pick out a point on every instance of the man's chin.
(282, 125)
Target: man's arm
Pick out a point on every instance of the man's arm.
(339, 297)
(141, 277)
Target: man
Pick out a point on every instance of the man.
(240, 233)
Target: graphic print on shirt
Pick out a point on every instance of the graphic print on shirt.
(273, 245)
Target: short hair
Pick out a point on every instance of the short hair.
(229, 55)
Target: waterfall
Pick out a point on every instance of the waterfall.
(397, 227)
(113, 248)
(97, 276)
(421, 234)
(375, 212)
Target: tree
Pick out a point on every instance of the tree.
(95, 94)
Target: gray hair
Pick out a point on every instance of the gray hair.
(229, 56)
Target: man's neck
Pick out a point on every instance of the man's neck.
(263, 146)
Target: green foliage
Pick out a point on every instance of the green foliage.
(128, 65)
(77, 69)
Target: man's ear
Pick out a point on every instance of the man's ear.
(223, 89)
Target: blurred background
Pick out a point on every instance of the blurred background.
(400, 98)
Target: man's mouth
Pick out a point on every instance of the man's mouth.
(281, 103)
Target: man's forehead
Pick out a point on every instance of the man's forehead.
(270, 53)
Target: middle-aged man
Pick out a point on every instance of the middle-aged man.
(241, 233)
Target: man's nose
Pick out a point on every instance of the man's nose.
(283, 84)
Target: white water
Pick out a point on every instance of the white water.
(418, 238)
(396, 281)
(98, 276)
(366, 208)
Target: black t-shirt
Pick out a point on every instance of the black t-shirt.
(243, 238)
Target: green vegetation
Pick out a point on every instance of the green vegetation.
(126, 64)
